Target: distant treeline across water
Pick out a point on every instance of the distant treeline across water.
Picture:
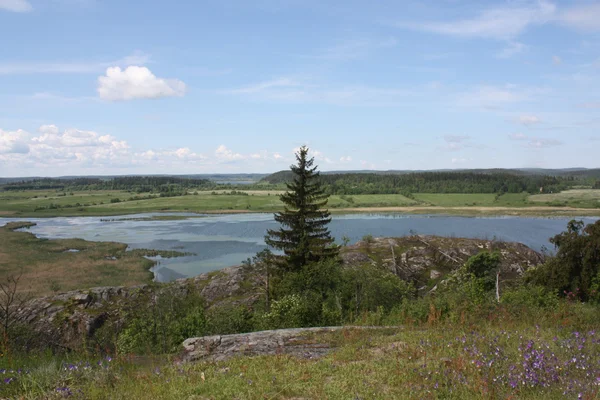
(347, 183)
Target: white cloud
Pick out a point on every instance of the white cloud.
(583, 17)
(75, 151)
(72, 67)
(459, 160)
(15, 5)
(456, 138)
(346, 159)
(136, 82)
(517, 136)
(501, 23)
(534, 142)
(14, 142)
(509, 21)
(538, 143)
(354, 49)
(497, 96)
(263, 86)
(528, 120)
(296, 91)
(223, 153)
(556, 60)
(512, 49)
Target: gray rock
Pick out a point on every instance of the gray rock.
(300, 342)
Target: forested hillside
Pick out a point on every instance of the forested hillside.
(437, 182)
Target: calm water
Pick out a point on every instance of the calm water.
(223, 240)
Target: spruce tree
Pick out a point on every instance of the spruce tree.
(303, 236)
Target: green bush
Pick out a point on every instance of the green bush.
(229, 319)
(291, 311)
(530, 296)
(159, 322)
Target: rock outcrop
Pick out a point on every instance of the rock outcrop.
(300, 342)
(68, 318)
(430, 257)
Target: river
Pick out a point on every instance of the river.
(218, 241)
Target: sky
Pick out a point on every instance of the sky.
(104, 87)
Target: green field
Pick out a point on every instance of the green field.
(574, 198)
(48, 203)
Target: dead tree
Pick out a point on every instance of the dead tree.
(12, 303)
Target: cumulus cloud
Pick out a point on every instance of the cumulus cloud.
(14, 142)
(136, 83)
(346, 159)
(52, 150)
(15, 5)
(459, 160)
(223, 153)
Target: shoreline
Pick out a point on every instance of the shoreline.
(466, 211)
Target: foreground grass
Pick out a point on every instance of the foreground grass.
(446, 361)
(48, 266)
(103, 203)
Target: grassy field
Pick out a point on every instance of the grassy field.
(446, 361)
(574, 198)
(48, 203)
(49, 266)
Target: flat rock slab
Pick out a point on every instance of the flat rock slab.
(299, 342)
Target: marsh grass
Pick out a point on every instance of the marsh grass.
(49, 266)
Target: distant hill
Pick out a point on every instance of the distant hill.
(285, 175)
(222, 178)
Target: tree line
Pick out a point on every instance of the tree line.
(434, 182)
(139, 184)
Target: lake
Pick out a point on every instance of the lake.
(218, 241)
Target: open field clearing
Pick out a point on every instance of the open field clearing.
(455, 199)
(576, 198)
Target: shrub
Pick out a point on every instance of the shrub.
(289, 312)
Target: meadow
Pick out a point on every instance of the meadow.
(498, 358)
(574, 198)
(48, 203)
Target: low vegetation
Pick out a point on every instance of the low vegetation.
(58, 265)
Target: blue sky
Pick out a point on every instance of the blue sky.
(123, 87)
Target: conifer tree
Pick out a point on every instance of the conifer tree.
(303, 236)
